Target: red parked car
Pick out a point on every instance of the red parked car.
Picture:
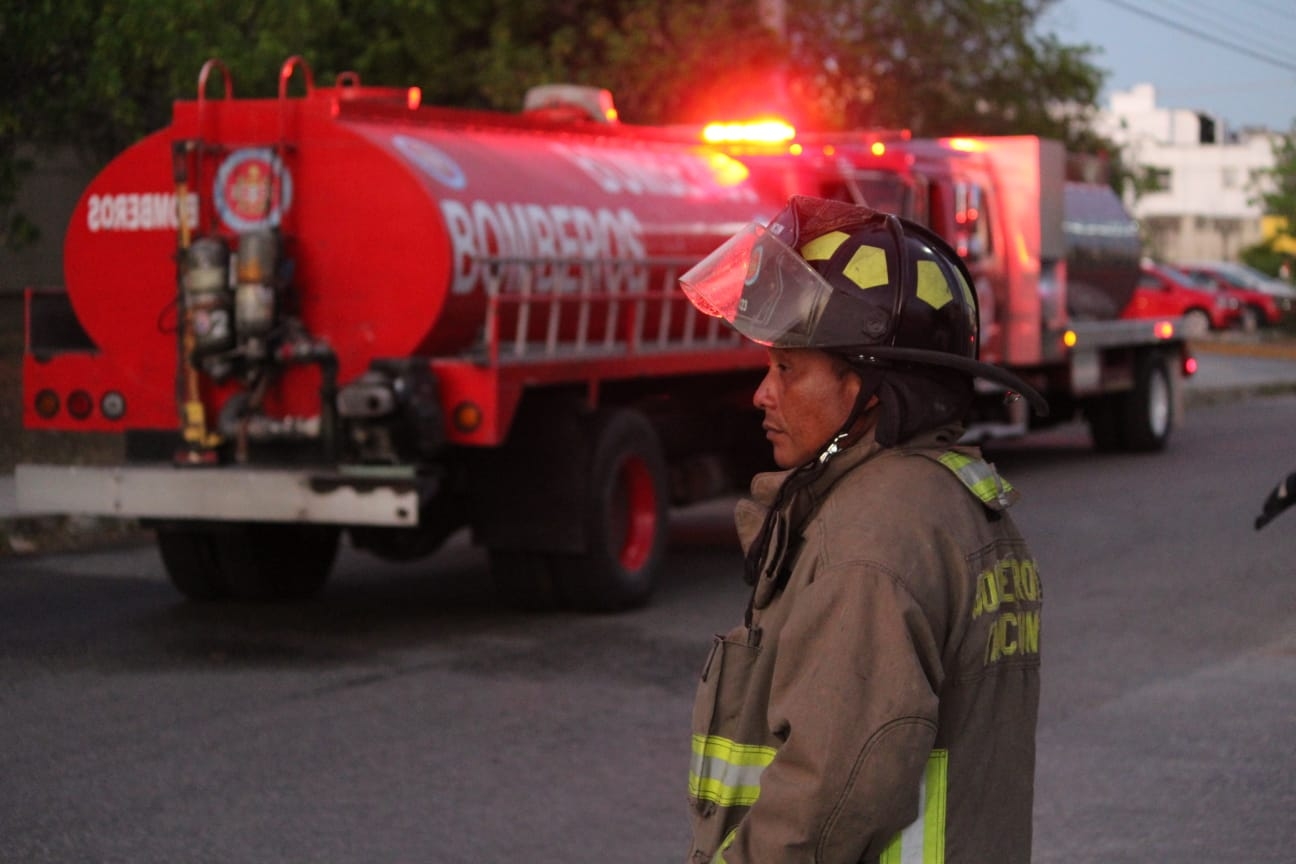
(1164, 292)
(1259, 308)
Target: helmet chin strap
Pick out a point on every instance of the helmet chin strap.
(837, 443)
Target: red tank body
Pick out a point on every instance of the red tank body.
(389, 215)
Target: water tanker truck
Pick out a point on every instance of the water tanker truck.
(344, 314)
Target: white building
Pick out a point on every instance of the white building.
(1204, 204)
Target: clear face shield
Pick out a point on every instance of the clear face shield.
(762, 287)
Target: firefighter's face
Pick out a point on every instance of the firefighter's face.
(806, 395)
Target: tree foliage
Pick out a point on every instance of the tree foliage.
(1274, 190)
(99, 74)
(1277, 184)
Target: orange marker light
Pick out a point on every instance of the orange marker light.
(413, 97)
(467, 416)
(878, 148)
(46, 404)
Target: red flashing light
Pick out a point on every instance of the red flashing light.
(966, 145)
(765, 130)
(877, 148)
(1189, 366)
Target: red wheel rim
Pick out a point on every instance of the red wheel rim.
(636, 513)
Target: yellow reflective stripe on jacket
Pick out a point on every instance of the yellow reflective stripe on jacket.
(719, 858)
(923, 842)
(725, 771)
(979, 477)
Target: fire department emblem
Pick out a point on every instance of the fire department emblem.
(253, 189)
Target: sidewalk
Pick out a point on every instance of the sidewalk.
(1227, 371)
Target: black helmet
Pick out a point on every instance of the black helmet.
(878, 289)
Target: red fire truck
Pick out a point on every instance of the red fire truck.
(345, 313)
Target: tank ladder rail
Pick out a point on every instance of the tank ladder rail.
(545, 291)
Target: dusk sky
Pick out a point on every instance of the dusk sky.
(1235, 59)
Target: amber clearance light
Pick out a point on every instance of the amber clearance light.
(467, 416)
(46, 404)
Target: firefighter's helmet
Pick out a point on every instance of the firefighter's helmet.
(877, 289)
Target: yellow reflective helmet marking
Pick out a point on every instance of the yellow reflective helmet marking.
(867, 268)
(822, 247)
(933, 287)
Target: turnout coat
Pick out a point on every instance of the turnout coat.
(880, 700)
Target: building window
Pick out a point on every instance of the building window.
(1158, 179)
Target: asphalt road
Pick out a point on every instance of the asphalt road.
(405, 716)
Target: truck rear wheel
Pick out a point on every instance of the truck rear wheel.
(1140, 419)
(248, 561)
(1147, 411)
(1103, 414)
(626, 519)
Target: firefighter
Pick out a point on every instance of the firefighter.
(879, 700)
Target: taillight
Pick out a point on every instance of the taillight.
(80, 404)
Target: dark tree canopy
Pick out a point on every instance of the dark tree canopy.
(99, 74)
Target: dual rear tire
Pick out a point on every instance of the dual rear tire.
(248, 561)
(1140, 419)
(622, 507)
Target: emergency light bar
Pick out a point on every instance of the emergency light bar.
(763, 131)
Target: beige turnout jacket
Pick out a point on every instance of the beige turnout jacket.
(882, 706)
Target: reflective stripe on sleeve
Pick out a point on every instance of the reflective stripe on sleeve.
(725, 771)
(979, 477)
(923, 842)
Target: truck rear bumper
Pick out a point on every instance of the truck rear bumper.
(219, 494)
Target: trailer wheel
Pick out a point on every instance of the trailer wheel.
(626, 519)
(1147, 414)
(1104, 423)
(248, 561)
(192, 564)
